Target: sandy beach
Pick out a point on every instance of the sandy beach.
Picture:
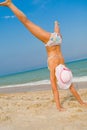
(37, 111)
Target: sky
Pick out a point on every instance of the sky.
(21, 51)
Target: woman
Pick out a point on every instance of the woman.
(56, 65)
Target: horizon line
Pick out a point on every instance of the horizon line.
(38, 68)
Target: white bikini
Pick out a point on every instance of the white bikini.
(54, 40)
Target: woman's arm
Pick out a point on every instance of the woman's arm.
(77, 96)
(55, 90)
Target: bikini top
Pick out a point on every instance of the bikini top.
(54, 40)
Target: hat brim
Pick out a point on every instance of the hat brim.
(64, 85)
(61, 84)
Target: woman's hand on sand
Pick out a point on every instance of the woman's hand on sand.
(61, 109)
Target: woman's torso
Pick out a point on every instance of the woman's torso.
(54, 56)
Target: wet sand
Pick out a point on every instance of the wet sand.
(32, 88)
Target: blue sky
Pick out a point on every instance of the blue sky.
(21, 51)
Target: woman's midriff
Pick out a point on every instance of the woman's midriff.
(54, 57)
(55, 60)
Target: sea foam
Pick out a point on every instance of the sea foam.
(44, 82)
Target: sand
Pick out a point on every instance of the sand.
(37, 111)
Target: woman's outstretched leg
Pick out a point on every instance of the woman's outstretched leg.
(57, 28)
(34, 29)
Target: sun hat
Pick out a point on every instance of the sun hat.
(64, 76)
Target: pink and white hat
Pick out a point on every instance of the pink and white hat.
(64, 76)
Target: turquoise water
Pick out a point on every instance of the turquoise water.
(79, 69)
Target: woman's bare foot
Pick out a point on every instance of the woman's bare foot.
(6, 3)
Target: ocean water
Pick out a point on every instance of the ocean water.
(41, 76)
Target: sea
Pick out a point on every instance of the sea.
(41, 76)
